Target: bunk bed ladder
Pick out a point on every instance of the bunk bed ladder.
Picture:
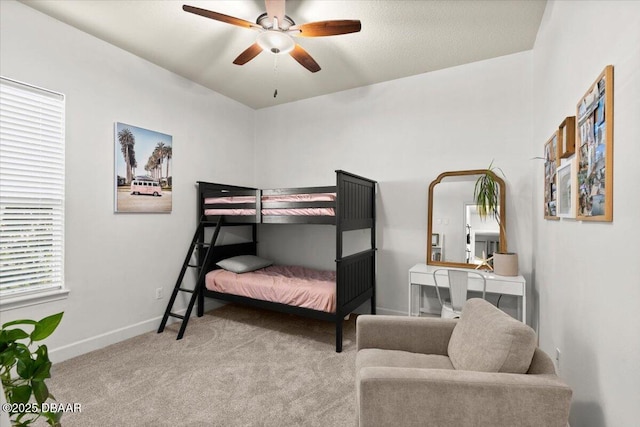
(199, 243)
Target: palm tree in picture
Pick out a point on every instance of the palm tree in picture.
(153, 163)
(133, 163)
(127, 141)
(159, 153)
(168, 153)
(157, 158)
(150, 167)
(134, 166)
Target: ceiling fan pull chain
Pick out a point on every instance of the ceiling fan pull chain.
(275, 75)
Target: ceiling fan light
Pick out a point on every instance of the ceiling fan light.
(275, 42)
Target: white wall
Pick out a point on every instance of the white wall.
(114, 262)
(403, 134)
(587, 275)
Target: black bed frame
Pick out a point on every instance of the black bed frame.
(355, 210)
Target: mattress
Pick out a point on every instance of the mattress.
(285, 198)
(290, 285)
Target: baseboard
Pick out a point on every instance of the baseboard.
(390, 312)
(366, 309)
(103, 340)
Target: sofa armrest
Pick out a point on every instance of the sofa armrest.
(414, 334)
(415, 397)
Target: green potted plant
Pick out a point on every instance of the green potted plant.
(489, 199)
(23, 371)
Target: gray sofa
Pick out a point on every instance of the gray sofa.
(483, 369)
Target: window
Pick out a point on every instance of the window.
(31, 191)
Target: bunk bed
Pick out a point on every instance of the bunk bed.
(347, 205)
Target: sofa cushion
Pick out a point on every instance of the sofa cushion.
(489, 340)
(375, 357)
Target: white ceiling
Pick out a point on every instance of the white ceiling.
(399, 38)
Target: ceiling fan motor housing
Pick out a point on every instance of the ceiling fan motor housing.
(267, 23)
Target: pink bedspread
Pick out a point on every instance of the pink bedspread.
(311, 197)
(238, 212)
(291, 285)
(274, 212)
(300, 212)
(230, 200)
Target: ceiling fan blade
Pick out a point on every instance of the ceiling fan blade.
(275, 8)
(301, 55)
(220, 17)
(248, 54)
(328, 28)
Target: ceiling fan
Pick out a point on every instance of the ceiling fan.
(276, 30)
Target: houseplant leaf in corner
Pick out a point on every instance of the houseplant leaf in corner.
(23, 371)
(486, 194)
(45, 327)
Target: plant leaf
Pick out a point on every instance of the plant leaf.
(21, 394)
(21, 350)
(24, 367)
(40, 391)
(53, 418)
(42, 371)
(42, 353)
(486, 194)
(18, 422)
(11, 335)
(19, 322)
(45, 327)
(7, 358)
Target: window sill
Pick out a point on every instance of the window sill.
(13, 302)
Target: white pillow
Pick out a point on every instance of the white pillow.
(243, 263)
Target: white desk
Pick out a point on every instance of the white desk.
(422, 275)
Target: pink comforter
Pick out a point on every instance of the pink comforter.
(312, 197)
(291, 285)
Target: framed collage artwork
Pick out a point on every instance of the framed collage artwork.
(551, 162)
(594, 151)
(567, 137)
(566, 190)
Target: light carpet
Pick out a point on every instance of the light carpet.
(235, 366)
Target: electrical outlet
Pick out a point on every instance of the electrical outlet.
(158, 293)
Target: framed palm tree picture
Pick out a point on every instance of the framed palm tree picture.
(143, 181)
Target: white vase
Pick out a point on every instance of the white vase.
(505, 264)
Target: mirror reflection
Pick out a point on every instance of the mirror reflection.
(482, 237)
(458, 236)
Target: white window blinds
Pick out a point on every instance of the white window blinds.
(31, 188)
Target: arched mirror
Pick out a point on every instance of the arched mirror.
(457, 235)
